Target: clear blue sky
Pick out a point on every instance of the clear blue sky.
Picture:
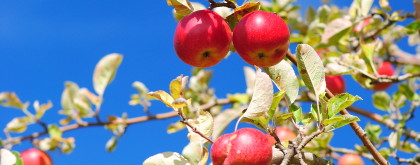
(45, 43)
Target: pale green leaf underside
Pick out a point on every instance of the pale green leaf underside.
(311, 68)
(262, 97)
(105, 72)
(166, 158)
(285, 79)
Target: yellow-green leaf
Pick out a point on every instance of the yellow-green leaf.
(105, 72)
(40, 109)
(162, 96)
(10, 99)
(182, 8)
(177, 86)
(18, 125)
(54, 132)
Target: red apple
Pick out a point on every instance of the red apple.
(361, 25)
(261, 38)
(245, 146)
(350, 159)
(384, 69)
(336, 84)
(202, 39)
(284, 134)
(35, 156)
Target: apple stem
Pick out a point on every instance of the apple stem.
(237, 122)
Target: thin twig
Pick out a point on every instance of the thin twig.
(228, 4)
(195, 130)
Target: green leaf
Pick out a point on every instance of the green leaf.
(381, 100)
(223, 119)
(68, 145)
(260, 122)
(297, 113)
(285, 79)
(166, 158)
(7, 157)
(347, 120)
(310, 14)
(19, 160)
(314, 112)
(105, 72)
(333, 119)
(48, 144)
(335, 30)
(239, 97)
(409, 147)
(276, 100)
(111, 144)
(323, 13)
(18, 125)
(54, 132)
(373, 132)
(340, 102)
(413, 27)
(311, 69)
(307, 118)
(262, 97)
(10, 99)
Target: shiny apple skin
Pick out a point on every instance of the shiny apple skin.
(202, 39)
(261, 38)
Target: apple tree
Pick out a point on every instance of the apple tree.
(295, 97)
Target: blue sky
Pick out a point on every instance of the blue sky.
(45, 43)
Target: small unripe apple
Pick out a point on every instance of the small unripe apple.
(261, 38)
(245, 146)
(284, 134)
(202, 39)
(336, 84)
(350, 159)
(35, 156)
(384, 69)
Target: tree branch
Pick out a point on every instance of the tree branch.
(387, 122)
(309, 158)
(228, 4)
(356, 128)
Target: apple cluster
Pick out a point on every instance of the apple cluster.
(203, 38)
